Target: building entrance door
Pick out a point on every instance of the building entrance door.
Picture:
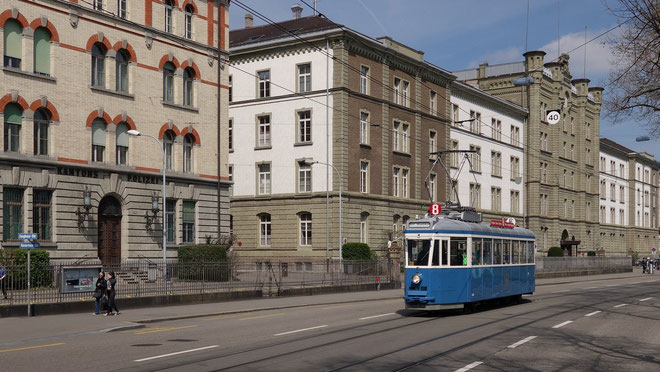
(109, 234)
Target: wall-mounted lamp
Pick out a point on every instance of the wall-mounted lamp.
(150, 220)
(87, 205)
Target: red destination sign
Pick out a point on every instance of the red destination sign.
(501, 223)
(435, 209)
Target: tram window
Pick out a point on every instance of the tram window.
(523, 252)
(418, 252)
(530, 252)
(477, 259)
(488, 256)
(435, 259)
(497, 252)
(445, 252)
(458, 252)
(515, 252)
(507, 252)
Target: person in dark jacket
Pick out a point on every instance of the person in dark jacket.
(110, 292)
(99, 292)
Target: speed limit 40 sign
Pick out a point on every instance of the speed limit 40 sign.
(435, 209)
(553, 117)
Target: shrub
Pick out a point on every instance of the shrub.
(202, 253)
(41, 274)
(203, 262)
(356, 251)
(635, 257)
(555, 252)
(591, 254)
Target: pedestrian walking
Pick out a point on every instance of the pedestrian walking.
(99, 293)
(3, 280)
(644, 266)
(110, 292)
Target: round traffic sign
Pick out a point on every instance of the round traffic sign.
(435, 209)
(553, 117)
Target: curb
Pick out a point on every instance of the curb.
(584, 281)
(127, 327)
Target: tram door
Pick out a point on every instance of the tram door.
(440, 252)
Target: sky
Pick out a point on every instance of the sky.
(461, 34)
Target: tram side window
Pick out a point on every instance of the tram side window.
(497, 252)
(488, 254)
(523, 252)
(458, 252)
(477, 259)
(507, 252)
(515, 252)
(530, 252)
(418, 252)
(435, 259)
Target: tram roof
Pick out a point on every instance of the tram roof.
(443, 224)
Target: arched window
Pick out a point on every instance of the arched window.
(121, 71)
(188, 142)
(41, 123)
(12, 130)
(188, 76)
(188, 19)
(13, 32)
(169, 5)
(98, 140)
(98, 65)
(42, 51)
(122, 143)
(305, 228)
(168, 81)
(264, 230)
(168, 145)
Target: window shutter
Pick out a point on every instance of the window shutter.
(13, 114)
(13, 39)
(98, 132)
(122, 135)
(42, 51)
(188, 212)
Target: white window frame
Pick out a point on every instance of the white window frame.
(364, 127)
(264, 131)
(263, 84)
(264, 179)
(265, 230)
(364, 79)
(304, 179)
(364, 176)
(304, 79)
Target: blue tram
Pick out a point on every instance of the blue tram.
(453, 260)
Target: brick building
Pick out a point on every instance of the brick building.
(77, 76)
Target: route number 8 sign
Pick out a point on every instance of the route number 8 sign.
(435, 209)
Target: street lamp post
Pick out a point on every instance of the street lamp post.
(312, 162)
(137, 133)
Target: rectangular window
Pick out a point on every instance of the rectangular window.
(304, 177)
(612, 216)
(454, 114)
(433, 144)
(497, 129)
(544, 172)
(515, 168)
(404, 183)
(622, 194)
(475, 195)
(264, 179)
(613, 192)
(588, 131)
(622, 217)
(97, 153)
(364, 128)
(364, 177)
(230, 137)
(265, 231)
(41, 137)
(98, 4)
(515, 201)
(496, 163)
(305, 229)
(264, 131)
(41, 214)
(475, 158)
(305, 77)
(432, 178)
(231, 88)
(515, 135)
(364, 79)
(121, 9)
(396, 127)
(588, 211)
(454, 155)
(170, 215)
(622, 171)
(188, 221)
(433, 103)
(454, 189)
(168, 18)
(496, 198)
(12, 217)
(304, 126)
(405, 93)
(230, 169)
(397, 91)
(264, 84)
(395, 181)
(405, 134)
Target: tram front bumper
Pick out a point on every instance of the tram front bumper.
(418, 297)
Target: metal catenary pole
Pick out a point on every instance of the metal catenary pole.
(29, 310)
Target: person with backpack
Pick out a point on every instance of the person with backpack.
(99, 293)
(110, 292)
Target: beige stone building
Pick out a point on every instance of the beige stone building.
(385, 111)
(76, 78)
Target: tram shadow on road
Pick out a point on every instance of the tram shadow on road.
(469, 308)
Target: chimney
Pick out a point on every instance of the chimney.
(249, 20)
(297, 11)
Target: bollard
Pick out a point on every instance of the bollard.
(378, 281)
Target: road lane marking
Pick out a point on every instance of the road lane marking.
(223, 317)
(645, 299)
(620, 305)
(591, 287)
(154, 330)
(300, 330)
(376, 316)
(526, 339)
(612, 285)
(594, 313)
(469, 367)
(336, 307)
(562, 324)
(177, 353)
(31, 347)
(563, 290)
(262, 316)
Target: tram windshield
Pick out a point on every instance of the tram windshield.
(418, 252)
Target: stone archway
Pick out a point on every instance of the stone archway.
(109, 231)
(569, 245)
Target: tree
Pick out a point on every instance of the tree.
(634, 83)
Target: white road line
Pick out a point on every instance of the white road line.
(645, 299)
(620, 305)
(562, 324)
(376, 316)
(526, 339)
(177, 353)
(300, 330)
(594, 313)
(563, 290)
(469, 367)
(612, 285)
(591, 287)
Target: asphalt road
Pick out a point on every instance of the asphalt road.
(612, 325)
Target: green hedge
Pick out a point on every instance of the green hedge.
(356, 251)
(591, 254)
(202, 253)
(41, 274)
(555, 252)
(206, 262)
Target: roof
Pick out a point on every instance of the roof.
(443, 224)
(610, 143)
(279, 30)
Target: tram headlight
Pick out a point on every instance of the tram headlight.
(416, 279)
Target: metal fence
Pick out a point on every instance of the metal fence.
(143, 278)
(568, 264)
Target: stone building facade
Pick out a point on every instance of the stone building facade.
(386, 110)
(76, 78)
